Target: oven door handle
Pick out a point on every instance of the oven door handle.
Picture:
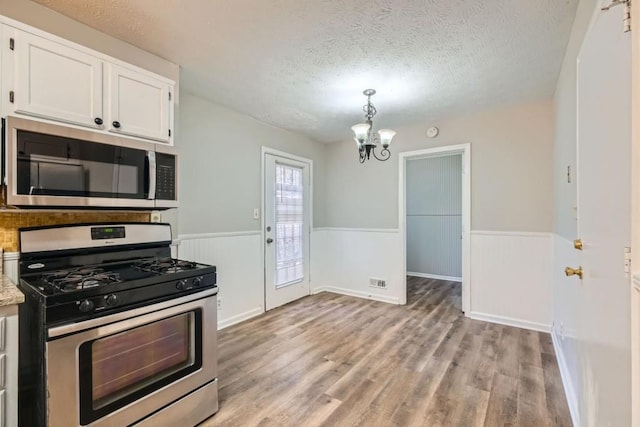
(59, 331)
(151, 157)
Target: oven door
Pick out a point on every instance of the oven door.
(118, 369)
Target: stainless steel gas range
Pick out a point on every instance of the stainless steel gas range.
(114, 331)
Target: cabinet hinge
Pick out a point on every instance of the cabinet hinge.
(11, 96)
(169, 132)
(626, 20)
(169, 96)
(12, 43)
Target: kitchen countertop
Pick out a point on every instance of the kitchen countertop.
(9, 293)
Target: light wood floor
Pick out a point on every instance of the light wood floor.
(335, 360)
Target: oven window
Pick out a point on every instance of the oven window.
(121, 368)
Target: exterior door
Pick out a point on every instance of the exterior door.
(286, 233)
(604, 220)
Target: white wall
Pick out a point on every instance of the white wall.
(511, 210)
(511, 171)
(238, 260)
(219, 187)
(219, 167)
(343, 261)
(510, 278)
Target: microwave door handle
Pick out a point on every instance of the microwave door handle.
(151, 155)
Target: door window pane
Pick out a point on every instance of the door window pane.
(289, 225)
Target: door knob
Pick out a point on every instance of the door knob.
(269, 240)
(573, 271)
(577, 244)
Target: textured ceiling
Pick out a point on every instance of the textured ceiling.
(302, 64)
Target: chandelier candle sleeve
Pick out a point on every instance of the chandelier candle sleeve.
(366, 140)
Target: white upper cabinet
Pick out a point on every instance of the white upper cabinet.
(139, 104)
(57, 82)
(53, 79)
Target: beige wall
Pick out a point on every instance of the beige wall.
(220, 167)
(38, 16)
(565, 193)
(511, 181)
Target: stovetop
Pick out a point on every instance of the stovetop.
(74, 294)
(75, 272)
(73, 280)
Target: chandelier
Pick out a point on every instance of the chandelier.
(366, 140)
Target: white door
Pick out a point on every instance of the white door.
(57, 82)
(635, 227)
(140, 105)
(604, 216)
(286, 235)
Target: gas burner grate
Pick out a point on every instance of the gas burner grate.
(79, 278)
(164, 265)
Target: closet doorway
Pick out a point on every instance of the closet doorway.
(434, 212)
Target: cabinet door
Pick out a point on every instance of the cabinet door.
(140, 105)
(57, 82)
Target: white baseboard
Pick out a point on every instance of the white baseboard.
(359, 294)
(225, 323)
(569, 391)
(510, 321)
(435, 276)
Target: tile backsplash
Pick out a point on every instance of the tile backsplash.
(11, 221)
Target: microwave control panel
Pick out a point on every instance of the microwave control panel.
(165, 176)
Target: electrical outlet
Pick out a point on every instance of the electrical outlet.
(219, 303)
(377, 283)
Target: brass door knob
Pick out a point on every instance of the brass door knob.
(577, 244)
(573, 271)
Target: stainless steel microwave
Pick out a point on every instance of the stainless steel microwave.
(47, 165)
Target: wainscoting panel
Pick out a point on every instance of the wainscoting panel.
(344, 261)
(511, 278)
(238, 259)
(10, 266)
(566, 314)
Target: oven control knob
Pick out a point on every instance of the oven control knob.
(111, 300)
(197, 281)
(181, 285)
(86, 306)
